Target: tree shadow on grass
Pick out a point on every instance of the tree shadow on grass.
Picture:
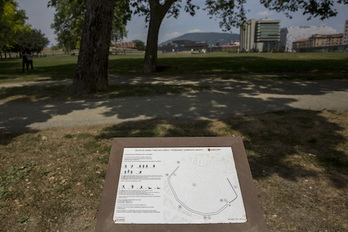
(234, 64)
(252, 64)
(12, 70)
(7, 136)
(293, 144)
(57, 72)
(223, 100)
(280, 143)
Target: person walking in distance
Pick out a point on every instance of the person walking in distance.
(24, 59)
(29, 60)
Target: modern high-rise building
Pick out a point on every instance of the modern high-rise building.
(259, 35)
(290, 34)
(345, 34)
(247, 35)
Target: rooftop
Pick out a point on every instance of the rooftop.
(301, 40)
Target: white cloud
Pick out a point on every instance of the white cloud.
(264, 14)
(194, 30)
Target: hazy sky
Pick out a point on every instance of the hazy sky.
(41, 17)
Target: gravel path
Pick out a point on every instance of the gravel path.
(232, 98)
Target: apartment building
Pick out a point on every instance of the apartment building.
(290, 34)
(319, 41)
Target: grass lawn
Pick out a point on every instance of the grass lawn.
(52, 179)
(46, 68)
(276, 65)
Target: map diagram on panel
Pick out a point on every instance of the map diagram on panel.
(179, 186)
(200, 188)
(203, 187)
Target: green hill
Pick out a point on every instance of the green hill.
(211, 38)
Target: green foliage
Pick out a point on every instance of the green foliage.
(11, 177)
(313, 8)
(15, 34)
(231, 13)
(68, 22)
(55, 48)
(172, 7)
(122, 14)
(12, 21)
(140, 45)
(32, 39)
(69, 18)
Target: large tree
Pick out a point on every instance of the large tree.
(12, 21)
(231, 13)
(69, 18)
(90, 25)
(155, 11)
(91, 72)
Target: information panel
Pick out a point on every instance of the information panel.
(178, 185)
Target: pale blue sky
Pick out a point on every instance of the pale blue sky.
(41, 17)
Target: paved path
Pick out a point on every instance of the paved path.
(231, 98)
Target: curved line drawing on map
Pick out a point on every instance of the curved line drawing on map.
(194, 211)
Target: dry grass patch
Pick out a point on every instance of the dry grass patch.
(52, 179)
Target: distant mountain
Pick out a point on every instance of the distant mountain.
(211, 38)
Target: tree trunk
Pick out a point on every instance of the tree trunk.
(157, 13)
(91, 71)
(150, 60)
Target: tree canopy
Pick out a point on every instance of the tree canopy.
(15, 34)
(68, 21)
(140, 45)
(233, 12)
(32, 39)
(12, 21)
(70, 15)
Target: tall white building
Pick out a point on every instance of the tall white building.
(247, 35)
(291, 34)
(345, 34)
(258, 35)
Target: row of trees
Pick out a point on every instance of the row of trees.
(15, 34)
(101, 19)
